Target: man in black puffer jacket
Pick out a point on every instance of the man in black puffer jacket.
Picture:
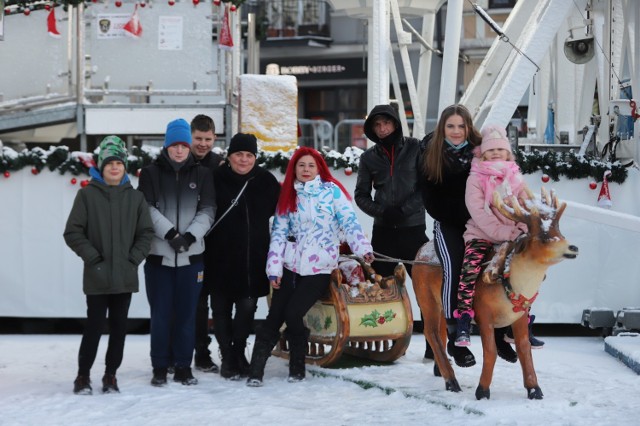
(392, 168)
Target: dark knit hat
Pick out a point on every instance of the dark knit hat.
(243, 142)
(178, 131)
(112, 148)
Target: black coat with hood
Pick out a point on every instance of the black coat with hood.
(237, 247)
(392, 168)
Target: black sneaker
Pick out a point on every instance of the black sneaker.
(204, 363)
(184, 376)
(159, 377)
(505, 351)
(82, 385)
(461, 356)
(110, 383)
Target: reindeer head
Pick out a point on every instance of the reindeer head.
(546, 244)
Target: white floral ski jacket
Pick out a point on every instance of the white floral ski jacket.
(307, 241)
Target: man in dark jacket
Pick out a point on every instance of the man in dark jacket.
(109, 227)
(392, 168)
(203, 135)
(181, 200)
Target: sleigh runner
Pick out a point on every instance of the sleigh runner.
(371, 320)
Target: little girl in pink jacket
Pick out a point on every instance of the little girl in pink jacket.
(494, 170)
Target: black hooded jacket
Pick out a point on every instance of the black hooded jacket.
(392, 168)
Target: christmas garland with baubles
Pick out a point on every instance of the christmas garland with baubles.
(25, 7)
(553, 165)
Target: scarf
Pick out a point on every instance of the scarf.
(501, 176)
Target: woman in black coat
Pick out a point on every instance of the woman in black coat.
(237, 248)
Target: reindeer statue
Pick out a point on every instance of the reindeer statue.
(504, 291)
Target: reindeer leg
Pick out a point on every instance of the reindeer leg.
(489, 356)
(523, 347)
(426, 285)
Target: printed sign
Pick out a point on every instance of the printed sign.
(170, 33)
(111, 25)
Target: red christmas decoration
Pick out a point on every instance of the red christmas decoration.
(118, 3)
(593, 185)
(84, 183)
(138, 173)
(216, 2)
(143, 4)
(52, 27)
(195, 2)
(226, 42)
(233, 8)
(133, 28)
(27, 12)
(604, 198)
(171, 2)
(348, 171)
(7, 174)
(545, 178)
(47, 7)
(34, 171)
(74, 181)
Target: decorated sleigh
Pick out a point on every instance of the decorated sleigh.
(365, 317)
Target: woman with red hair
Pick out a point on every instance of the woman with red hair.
(313, 212)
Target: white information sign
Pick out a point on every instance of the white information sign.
(110, 25)
(170, 33)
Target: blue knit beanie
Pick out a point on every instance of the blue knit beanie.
(178, 131)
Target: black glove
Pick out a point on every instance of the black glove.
(171, 234)
(181, 243)
(393, 214)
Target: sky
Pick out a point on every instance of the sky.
(582, 385)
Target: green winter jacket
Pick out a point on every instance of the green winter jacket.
(110, 228)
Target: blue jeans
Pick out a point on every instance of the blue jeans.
(173, 295)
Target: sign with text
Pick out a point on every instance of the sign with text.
(111, 25)
(170, 33)
(320, 69)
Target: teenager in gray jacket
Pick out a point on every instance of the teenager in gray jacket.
(180, 195)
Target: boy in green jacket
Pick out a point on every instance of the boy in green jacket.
(110, 228)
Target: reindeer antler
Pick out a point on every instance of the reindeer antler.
(511, 208)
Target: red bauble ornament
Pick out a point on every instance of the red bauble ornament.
(348, 171)
(593, 185)
(233, 8)
(74, 181)
(195, 2)
(84, 183)
(138, 173)
(216, 2)
(143, 4)
(27, 12)
(118, 3)
(7, 174)
(47, 7)
(545, 178)
(34, 171)
(171, 2)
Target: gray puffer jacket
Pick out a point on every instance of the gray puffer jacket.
(182, 200)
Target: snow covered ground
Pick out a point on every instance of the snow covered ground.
(582, 385)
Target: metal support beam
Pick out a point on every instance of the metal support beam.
(451, 49)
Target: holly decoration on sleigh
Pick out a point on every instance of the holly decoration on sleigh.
(375, 318)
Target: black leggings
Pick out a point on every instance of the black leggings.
(97, 306)
(233, 328)
(293, 299)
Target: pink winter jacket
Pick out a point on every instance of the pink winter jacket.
(486, 221)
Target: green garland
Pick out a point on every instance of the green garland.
(553, 164)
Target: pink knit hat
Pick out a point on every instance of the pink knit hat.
(493, 137)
